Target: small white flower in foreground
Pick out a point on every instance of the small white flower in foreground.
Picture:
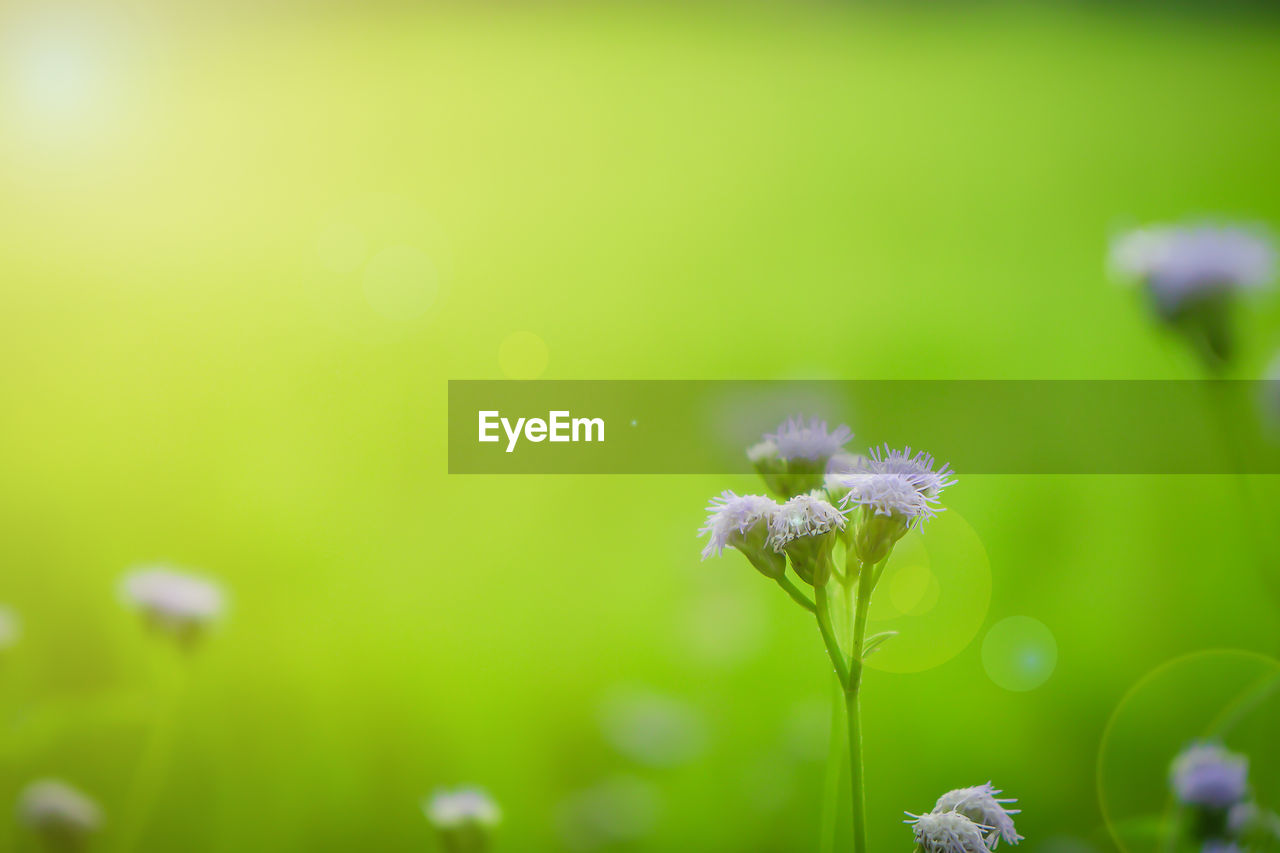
(461, 807)
(947, 832)
(1250, 821)
(762, 451)
(981, 805)
(1207, 774)
(56, 809)
(893, 482)
(1182, 264)
(1221, 847)
(177, 602)
(10, 627)
(803, 515)
(797, 440)
(730, 516)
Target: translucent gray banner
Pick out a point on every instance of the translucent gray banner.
(979, 426)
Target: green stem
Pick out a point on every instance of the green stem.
(867, 577)
(796, 595)
(823, 612)
(831, 784)
(149, 777)
(853, 712)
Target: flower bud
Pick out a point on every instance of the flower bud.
(805, 529)
(742, 522)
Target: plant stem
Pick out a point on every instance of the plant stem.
(829, 636)
(867, 577)
(854, 713)
(148, 779)
(831, 784)
(796, 595)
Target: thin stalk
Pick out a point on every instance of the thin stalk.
(829, 635)
(831, 783)
(796, 595)
(867, 577)
(148, 779)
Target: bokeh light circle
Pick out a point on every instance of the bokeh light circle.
(935, 593)
(523, 355)
(1019, 653)
(1228, 695)
(400, 282)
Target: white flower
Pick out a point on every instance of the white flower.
(1221, 847)
(948, 832)
(980, 804)
(797, 440)
(461, 807)
(803, 515)
(10, 628)
(55, 808)
(729, 515)
(173, 600)
(1179, 264)
(1206, 774)
(892, 482)
(762, 451)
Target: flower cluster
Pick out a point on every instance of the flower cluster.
(966, 820)
(59, 813)
(1192, 275)
(174, 603)
(1212, 784)
(463, 818)
(805, 463)
(834, 518)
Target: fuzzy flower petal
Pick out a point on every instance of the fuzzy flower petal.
(893, 482)
(1179, 264)
(461, 807)
(729, 514)
(948, 832)
(53, 807)
(1206, 774)
(10, 627)
(982, 805)
(797, 440)
(173, 599)
(803, 515)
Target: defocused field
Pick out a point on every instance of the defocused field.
(244, 249)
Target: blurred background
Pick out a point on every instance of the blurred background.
(245, 246)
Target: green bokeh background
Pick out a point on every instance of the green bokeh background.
(192, 371)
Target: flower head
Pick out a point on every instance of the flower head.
(742, 522)
(180, 604)
(730, 516)
(10, 628)
(813, 441)
(1206, 774)
(803, 515)
(947, 832)
(1221, 847)
(461, 808)
(1184, 264)
(895, 489)
(57, 810)
(805, 528)
(792, 460)
(981, 805)
(893, 482)
(1248, 821)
